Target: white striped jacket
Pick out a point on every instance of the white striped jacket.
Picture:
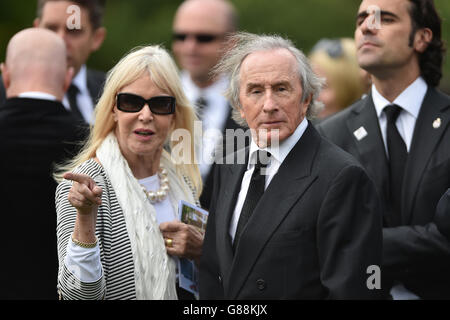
(117, 281)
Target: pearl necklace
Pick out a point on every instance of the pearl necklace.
(161, 193)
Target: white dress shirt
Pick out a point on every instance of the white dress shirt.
(214, 117)
(278, 154)
(410, 100)
(84, 99)
(37, 95)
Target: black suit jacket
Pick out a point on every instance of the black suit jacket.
(230, 124)
(95, 82)
(414, 252)
(313, 234)
(34, 135)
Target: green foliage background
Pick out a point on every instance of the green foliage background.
(139, 22)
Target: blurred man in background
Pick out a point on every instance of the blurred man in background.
(200, 31)
(36, 131)
(79, 24)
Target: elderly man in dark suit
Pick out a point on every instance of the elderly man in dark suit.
(292, 216)
(36, 132)
(400, 133)
(79, 24)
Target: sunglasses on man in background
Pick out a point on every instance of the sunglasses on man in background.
(199, 37)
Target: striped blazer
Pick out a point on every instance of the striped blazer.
(117, 281)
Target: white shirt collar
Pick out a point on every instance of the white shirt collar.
(193, 92)
(37, 95)
(80, 80)
(279, 153)
(410, 99)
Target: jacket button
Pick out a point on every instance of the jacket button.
(261, 284)
(220, 279)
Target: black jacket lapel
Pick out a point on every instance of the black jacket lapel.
(425, 139)
(233, 174)
(371, 150)
(286, 188)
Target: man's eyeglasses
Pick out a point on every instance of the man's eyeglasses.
(128, 102)
(199, 37)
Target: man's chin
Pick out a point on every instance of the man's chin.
(267, 137)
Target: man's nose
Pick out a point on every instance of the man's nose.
(369, 25)
(270, 103)
(190, 43)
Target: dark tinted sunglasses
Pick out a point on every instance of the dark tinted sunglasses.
(128, 102)
(199, 37)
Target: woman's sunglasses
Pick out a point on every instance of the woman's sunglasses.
(128, 102)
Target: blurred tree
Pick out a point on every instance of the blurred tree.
(140, 22)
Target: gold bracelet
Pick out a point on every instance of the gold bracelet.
(84, 244)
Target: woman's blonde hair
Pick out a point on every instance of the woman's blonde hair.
(157, 62)
(337, 58)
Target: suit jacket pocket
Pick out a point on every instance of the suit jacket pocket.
(437, 175)
(291, 237)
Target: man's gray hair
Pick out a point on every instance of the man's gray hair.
(243, 44)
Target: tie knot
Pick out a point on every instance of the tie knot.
(201, 103)
(73, 88)
(262, 159)
(392, 112)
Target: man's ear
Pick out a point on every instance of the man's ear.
(36, 22)
(422, 38)
(98, 38)
(305, 105)
(5, 75)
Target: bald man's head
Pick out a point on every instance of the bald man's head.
(200, 28)
(35, 61)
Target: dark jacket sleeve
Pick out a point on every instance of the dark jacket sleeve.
(350, 236)
(413, 249)
(442, 217)
(210, 286)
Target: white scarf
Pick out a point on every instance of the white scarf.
(154, 270)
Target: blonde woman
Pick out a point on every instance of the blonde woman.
(335, 61)
(117, 200)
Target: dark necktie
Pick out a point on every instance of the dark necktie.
(72, 97)
(398, 155)
(254, 193)
(201, 104)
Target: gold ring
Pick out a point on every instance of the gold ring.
(169, 242)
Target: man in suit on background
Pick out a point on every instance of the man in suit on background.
(292, 216)
(36, 131)
(200, 28)
(83, 34)
(400, 133)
